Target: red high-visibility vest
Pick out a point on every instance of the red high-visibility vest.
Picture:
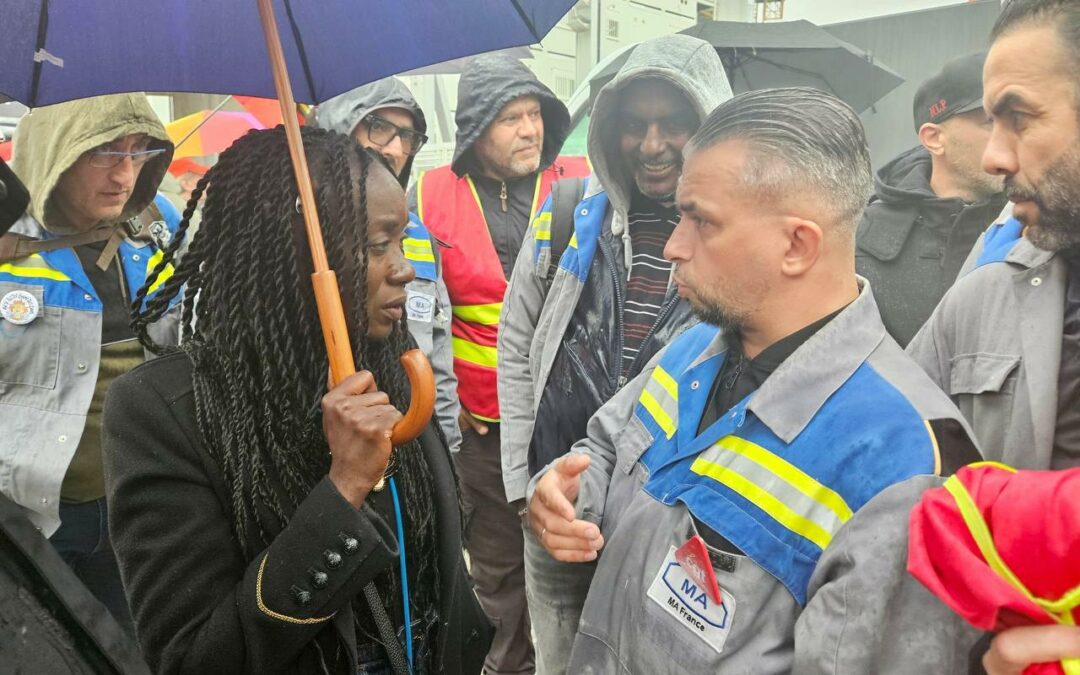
(451, 209)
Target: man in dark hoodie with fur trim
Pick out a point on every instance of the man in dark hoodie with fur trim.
(510, 128)
(932, 203)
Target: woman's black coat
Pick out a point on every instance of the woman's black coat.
(198, 606)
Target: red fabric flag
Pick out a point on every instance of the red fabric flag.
(1001, 547)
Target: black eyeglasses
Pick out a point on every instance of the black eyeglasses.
(382, 131)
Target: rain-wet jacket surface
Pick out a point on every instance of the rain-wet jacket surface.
(560, 348)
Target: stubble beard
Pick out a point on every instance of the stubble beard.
(1058, 199)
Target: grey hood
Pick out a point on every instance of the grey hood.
(690, 64)
(489, 82)
(344, 112)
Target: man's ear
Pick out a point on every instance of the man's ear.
(932, 137)
(804, 239)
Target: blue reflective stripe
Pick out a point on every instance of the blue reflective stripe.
(999, 240)
(866, 437)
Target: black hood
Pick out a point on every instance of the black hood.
(906, 178)
(345, 111)
(489, 82)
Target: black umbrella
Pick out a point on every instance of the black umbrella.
(785, 54)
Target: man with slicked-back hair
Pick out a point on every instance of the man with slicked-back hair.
(748, 493)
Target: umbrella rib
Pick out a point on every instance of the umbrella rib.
(300, 48)
(43, 31)
(204, 121)
(525, 19)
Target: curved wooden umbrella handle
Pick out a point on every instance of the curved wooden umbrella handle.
(422, 401)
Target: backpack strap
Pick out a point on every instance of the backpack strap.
(566, 194)
(15, 246)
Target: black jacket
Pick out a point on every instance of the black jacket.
(49, 622)
(198, 606)
(911, 243)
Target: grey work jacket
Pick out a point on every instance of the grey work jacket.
(994, 346)
(863, 613)
(48, 371)
(531, 327)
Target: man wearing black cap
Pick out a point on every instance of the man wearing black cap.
(932, 202)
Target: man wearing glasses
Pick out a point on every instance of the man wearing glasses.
(384, 117)
(69, 269)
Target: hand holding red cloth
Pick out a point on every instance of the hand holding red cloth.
(1002, 548)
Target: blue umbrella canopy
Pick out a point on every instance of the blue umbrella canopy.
(58, 51)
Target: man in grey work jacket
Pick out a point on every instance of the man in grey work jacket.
(69, 270)
(384, 117)
(748, 493)
(1005, 341)
(613, 303)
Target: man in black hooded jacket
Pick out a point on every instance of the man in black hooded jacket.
(932, 203)
(509, 131)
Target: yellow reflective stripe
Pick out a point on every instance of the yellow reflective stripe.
(764, 500)
(658, 413)
(536, 194)
(33, 267)
(790, 474)
(474, 353)
(479, 204)
(420, 196)
(780, 489)
(573, 240)
(1060, 609)
(418, 249)
(485, 315)
(661, 398)
(542, 227)
(166, 273)
(667, 382)
(934, 443)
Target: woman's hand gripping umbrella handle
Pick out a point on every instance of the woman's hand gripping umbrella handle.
(416, 365)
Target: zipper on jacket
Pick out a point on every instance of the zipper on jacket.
(605, 249)
(660, 318)
(503, 196)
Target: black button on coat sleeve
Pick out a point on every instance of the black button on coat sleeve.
(198, 606)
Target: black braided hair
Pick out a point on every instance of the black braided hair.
(251, 328)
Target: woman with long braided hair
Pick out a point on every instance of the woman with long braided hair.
(246, 502)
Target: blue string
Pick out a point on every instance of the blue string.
(404, 573)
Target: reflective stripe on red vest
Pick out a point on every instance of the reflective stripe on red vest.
(450, 207)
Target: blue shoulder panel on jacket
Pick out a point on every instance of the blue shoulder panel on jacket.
(419, 248)
(588, 222)
(782, 503)
(999, 240)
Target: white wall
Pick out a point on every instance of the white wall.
(834, 11)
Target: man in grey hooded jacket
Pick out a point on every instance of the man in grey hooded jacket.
(385, 117)
(565, 350)
(69, 270)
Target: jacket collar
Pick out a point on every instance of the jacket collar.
(1028, 255)
(795, 392)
